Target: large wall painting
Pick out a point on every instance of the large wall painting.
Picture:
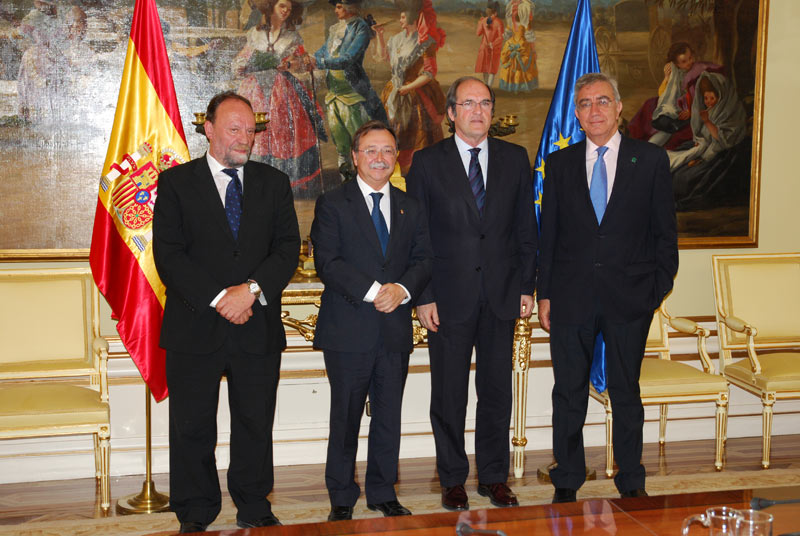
(316, 76)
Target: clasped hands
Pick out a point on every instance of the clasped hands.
(389, 297)
(236, 306)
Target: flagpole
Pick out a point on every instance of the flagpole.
(148, 501)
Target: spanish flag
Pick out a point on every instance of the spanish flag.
(147, 137)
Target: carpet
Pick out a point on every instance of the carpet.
(528, 490)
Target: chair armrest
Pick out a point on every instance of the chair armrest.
(690, 327)
(737, 324)
(100, 348)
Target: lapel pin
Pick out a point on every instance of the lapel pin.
(633, 160)
(401, 211)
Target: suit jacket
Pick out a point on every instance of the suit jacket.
(497, 250)
(351, 61)
(623, 267)
(197, 256)
(348, 259)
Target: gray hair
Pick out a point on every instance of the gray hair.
(591, 78)
(451, 95)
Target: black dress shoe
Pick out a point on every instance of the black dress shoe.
(390, 508)
(340, 513)
(268, 520)
(565, 495)
(455, 498)
(188, 527)
(499, 494)
(639, 492)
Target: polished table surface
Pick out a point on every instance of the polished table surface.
(647, 516)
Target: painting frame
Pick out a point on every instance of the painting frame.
(747, 240)
(750, 240)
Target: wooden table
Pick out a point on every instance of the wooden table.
(641, 516)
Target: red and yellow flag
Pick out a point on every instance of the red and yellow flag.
(147, 137)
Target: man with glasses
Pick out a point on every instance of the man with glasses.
(608, 256)
(477, 194)
(372, 251)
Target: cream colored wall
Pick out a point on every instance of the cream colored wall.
(779, 221)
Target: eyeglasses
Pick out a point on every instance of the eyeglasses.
(470, 105)
(602, 102)
(373, 152)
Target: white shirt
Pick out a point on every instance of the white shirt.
(386, 210)
(221, 181)
(466, 156)
(610, 158)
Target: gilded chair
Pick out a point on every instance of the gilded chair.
(758, 318)
(53, 362)
(664, 381)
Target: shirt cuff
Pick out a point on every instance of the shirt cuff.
(408, 294)
(219, 297)
(372, 292)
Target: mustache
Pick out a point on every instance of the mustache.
(379, 165)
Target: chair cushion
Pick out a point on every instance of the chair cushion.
(663, 377)
(26, 407)
(779, 372)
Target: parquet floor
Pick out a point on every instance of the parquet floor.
(304, 484)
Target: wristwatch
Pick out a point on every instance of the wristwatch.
(255, 289)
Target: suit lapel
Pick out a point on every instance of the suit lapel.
(359, 210)
(581, 181)
(626, 164)
(208, 192)
(457, 176)
(253, 196)
(398, 211)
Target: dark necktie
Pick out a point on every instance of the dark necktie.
(476, 179)
(379, 221)
(598, 189)
(233, 201)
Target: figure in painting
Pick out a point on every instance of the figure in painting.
(414, 101)
(714, 165)
(36, 81)
(270, 63)
(350, 101)
(664, 120)
(490, 30)
(518, 71)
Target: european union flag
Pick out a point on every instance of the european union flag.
(562, 129)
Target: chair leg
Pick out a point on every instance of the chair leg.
(662, 425)
(609, 440)
(105, 464)
(97, 461)
(720, 430)
(767, 400)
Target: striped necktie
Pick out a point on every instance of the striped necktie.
(476, 179)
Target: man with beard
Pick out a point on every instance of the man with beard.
(226, 242)
(372, 251)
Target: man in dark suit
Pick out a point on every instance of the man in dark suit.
(603, 270)
(226, 244)
(477, 194)
(372, 251)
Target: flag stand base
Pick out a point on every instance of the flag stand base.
(149, 501)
